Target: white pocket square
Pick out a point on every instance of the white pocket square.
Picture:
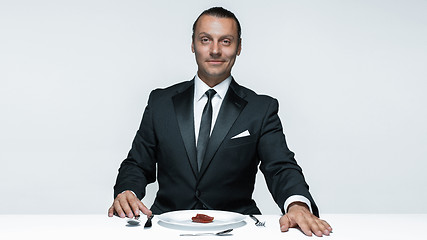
(242, 134)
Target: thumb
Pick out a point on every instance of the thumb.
(285, 223)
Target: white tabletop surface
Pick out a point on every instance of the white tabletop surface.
(77, 227)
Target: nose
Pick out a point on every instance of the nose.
(215, 49)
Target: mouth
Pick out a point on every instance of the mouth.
(215, 61)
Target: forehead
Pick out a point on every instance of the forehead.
(216, 26)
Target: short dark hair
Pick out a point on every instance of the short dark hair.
(221, 13)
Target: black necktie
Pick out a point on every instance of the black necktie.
(205, 128)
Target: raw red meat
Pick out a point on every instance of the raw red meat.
(202, 218)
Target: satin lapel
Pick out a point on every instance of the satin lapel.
(183, 103)
(231, 107)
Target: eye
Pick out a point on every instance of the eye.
(204, 40)
(226, 42)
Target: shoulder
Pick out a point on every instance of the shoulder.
(173, 89)
(261, 103)
(169, 92)
(252, 96)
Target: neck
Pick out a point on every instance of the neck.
(212, 81)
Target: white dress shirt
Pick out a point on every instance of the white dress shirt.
(200, 100)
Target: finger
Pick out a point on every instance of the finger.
(134, 203)
(118, 209)
(302, 222)
(326, 224)
(144, 209)
(111, 211)
(124, 204)
(134, 206)
(315, 225)
(285, 223)
(325, 227)
(304, 226)
(318, 226)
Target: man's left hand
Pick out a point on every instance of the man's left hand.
(299, 215)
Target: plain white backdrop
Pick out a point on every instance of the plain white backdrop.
(350, 76)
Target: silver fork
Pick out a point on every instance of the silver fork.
(258, 223)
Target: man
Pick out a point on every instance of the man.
(206, 144)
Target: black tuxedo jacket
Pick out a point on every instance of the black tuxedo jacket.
(165, 145)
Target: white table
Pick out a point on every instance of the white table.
(78, 227)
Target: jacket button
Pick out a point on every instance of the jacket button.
(197, 193)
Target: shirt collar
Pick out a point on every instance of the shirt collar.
(200, 88)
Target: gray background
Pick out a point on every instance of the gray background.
(350, 77)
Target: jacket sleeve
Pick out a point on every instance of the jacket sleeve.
(283, 175)
(139, 168)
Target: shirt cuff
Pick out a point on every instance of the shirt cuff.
(297, 198)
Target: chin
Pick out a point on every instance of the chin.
(216, 73)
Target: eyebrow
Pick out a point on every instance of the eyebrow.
(207, 34)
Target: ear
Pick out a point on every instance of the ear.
(192, 46)
(239, 48)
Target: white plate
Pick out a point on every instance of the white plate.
(182, 219)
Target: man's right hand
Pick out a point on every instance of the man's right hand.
(128, 205)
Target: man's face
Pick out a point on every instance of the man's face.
(216, 45)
